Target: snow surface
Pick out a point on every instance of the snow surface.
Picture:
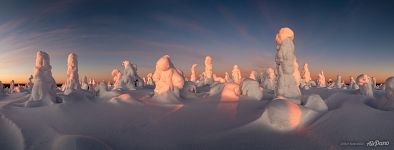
(130, 120)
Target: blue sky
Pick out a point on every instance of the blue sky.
(339, 37)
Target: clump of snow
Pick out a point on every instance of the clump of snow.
(321, 80)
(236, 74)
(287, 67)
(44, 88)
(72, 82)
(251, 88)
(168, 81)
(365, 85)
(193, 77)
(269, 81)
(230, 92)
(208, 73)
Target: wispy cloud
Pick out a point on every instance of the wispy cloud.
(241, 28)
(190, 26)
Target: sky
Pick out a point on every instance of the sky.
(345, 37)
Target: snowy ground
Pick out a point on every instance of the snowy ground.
(204, 123)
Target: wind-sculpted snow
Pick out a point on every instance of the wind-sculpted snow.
(285, 115)
(11, 137)
(78, 142)
(128, 120)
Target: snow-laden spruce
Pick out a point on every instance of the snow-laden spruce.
(44, 88)
(286, 65)
(227, 77)
(373, 82)
(168, 81)
(1, 89)
(208, 73)
(321, 80)
(29, 84)
(149, 80)
(352, 84)
(130, 78)
(193, 77)
(365, 85)
(389, 89)
(72, 81)
(12, 87)
(337, 84)
(84, 83)
(236, 74)
(305, 77)
(117, 78)
(254, 75)
(269, 81)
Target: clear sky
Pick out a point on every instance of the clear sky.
(345, 37)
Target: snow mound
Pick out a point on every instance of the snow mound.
(124, 98)
(10, 135)
(284, 115)
(78, 142)
(189, 90)
(104, 93)
(230, 92)
(315, 102)
(216, 89)
(251, 89)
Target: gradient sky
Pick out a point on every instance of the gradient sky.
(340, 37)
